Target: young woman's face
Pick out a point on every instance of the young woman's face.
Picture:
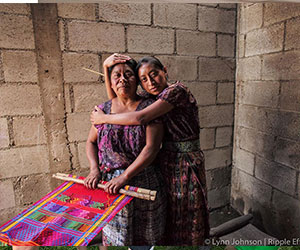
(152, 79)
(123, 80)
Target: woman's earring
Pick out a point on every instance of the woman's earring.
(167, 77)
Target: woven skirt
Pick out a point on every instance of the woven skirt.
(182, 165)
(141, 222)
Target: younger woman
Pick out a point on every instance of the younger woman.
(181, 159)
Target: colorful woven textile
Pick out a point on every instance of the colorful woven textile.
(71, 215)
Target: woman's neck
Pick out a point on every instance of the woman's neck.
(124, 104)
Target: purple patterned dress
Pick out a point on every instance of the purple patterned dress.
(182, 164)
(141, 222)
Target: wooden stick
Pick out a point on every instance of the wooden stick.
(144, 196)
(93, 71)
(139, 190)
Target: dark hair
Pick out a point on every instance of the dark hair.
(151, 60)
(131, 63)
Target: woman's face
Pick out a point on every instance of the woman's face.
(152, 78)
(123, 80)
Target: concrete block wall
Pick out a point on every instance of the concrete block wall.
(265, 179)
(46, 97)
(24, 160)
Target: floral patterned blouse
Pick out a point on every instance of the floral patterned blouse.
(182, 122)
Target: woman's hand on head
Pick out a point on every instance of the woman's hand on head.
(97, 116)
(92, 180)
(114, 59)
(114, 185)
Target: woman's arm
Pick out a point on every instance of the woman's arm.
(140, 117)
(154, 135)
(110, 61)
(93, 178)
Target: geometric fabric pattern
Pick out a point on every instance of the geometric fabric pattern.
(71, 215)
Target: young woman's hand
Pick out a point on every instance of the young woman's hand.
(97, 116)
(92, 179)
(114, 59)
(114, 185)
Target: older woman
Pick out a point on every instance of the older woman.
(123, 155)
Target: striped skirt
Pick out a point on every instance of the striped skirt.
(182, 165)
(140, 222)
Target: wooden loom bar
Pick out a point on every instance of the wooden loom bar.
(150, 195)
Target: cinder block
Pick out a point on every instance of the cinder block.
(204, 92)
(62, 37)
(7, 194)
(15, 8)
(102, 36)
(281, 66)
(157, 40)
(217, 178)
(86, 11)
(24, 161)
(16, 32)
(84, 163)
(214, 116)
(180, 67)
(32, 188)
(209, 4)
(226, 46)
(290, 96)
(78, 125)
(217, 20)
(292, 40)
(219, 197)
(218, 158)
(137, 13)
(224, 137)
(215, 69)
(29, 130)
(19, 66)
(10, 213)
(88, 96)
(243, 160)
(4, 135)
(207, 138)
(253, 188)
(260, 93)
(1, 69)
(260, 119)
(67, 96)
(276, 12)
(288, 125)
(225, 92)
(287, 210)
(196, 43)
(276, 175)
(75, 158)
(227, 5)
(240, 51)
(249, 68)
(20, 100)
(251, 17)
(257, 142)
(265, 40)
(73, 64)
(175, 15)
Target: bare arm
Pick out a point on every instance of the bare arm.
(110, 61)
(143, 116)
(93, 178)
(154, 135)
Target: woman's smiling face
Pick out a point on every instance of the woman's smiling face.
(153, 79)
(123, 80)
